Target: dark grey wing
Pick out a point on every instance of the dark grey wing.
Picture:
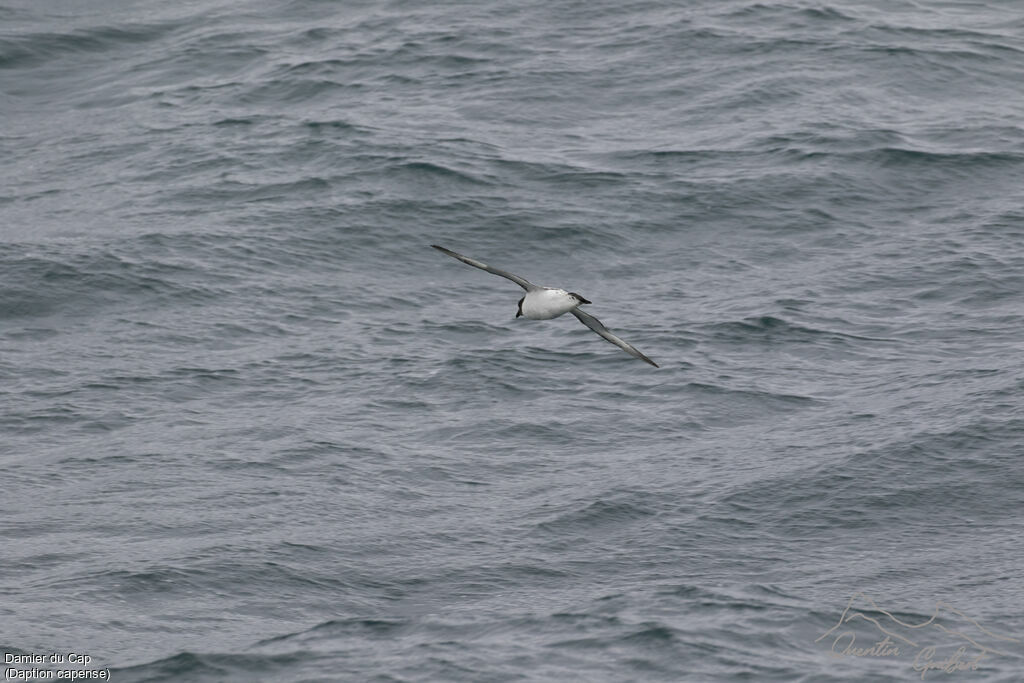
(595, 324)
(522, 282)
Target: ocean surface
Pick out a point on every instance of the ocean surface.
(253, 428)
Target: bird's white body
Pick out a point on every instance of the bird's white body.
(547, 303)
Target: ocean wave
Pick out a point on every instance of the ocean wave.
(48, 283)
(34, 48)
(595, 517)
(917, 480)
(773, 330)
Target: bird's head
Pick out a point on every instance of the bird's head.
(579, 299)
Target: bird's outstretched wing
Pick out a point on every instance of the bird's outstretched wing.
(522, 282)
(595, 324)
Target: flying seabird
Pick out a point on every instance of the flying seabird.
(544, 303)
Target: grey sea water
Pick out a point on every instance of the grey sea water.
(255, 429)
